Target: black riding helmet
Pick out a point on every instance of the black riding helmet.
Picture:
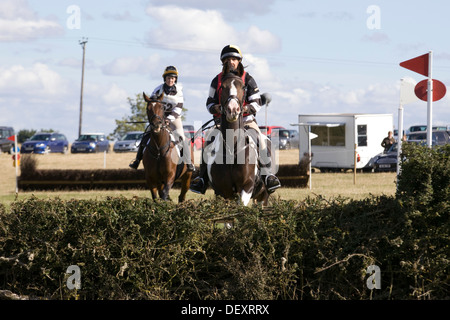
(230, 51)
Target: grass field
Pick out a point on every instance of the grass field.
(328, 185)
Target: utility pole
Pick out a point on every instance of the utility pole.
(83, 45)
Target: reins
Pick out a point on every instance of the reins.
(153, 135)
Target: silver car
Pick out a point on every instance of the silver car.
(129, 142)
(287, 139)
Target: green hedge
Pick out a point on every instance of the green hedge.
(314, 249)
(140, 249)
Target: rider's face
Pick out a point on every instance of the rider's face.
(232, 63)
(170, 81)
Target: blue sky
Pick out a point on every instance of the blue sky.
(311, 56)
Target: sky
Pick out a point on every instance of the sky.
(312, 57)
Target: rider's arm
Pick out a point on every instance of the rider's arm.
(253, 97)
(212, 103)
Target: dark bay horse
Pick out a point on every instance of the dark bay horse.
(161, 159)
(233, 155)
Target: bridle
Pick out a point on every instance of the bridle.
(159, 149)
(225, 102)
(231, 97)
(158, 117)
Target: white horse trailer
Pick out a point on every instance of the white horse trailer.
(337, 140)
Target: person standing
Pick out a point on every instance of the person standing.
(388, 141)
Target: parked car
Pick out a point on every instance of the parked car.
(287, 139)
(418, 128)
(268, 130)
(386, 161)
(439, 137)
(129, 142)
(199, 142)
(188, 127)
(90, 142)
(46, 142)
(5, 144)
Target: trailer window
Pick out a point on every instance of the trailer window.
(362, 135)
(328, 136)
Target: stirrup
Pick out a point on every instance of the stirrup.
(271, 189)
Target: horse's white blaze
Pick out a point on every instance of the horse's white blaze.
(233, 89)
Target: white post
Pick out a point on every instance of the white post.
(430, 101)
(16, 155)
(400, 129)
(400, 136)
(309, 156)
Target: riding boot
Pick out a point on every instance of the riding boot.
(140, 153)
(200, 184)
(270, 180)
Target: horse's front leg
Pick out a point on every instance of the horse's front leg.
(185, 183)
(154, 192)
(165, 189)
(245, 197)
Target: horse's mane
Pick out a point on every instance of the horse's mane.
(232, 75)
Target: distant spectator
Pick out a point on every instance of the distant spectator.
(388, 141)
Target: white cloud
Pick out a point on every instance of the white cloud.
(232, 9)
(260, 41)
(290, 100)
(205, 30)
(116, 97)
(19, 23)
(12, 9)
(192, 29)
(38, 80)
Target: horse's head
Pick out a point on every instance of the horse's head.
(232, 97)
(155, 113)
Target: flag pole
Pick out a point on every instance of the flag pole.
(430, 101)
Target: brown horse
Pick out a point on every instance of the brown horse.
(233, 156)
(161, 159)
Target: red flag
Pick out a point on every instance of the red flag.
(418, 64)
(12, 138)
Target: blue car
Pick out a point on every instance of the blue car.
(45, 142)
(90, 143)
